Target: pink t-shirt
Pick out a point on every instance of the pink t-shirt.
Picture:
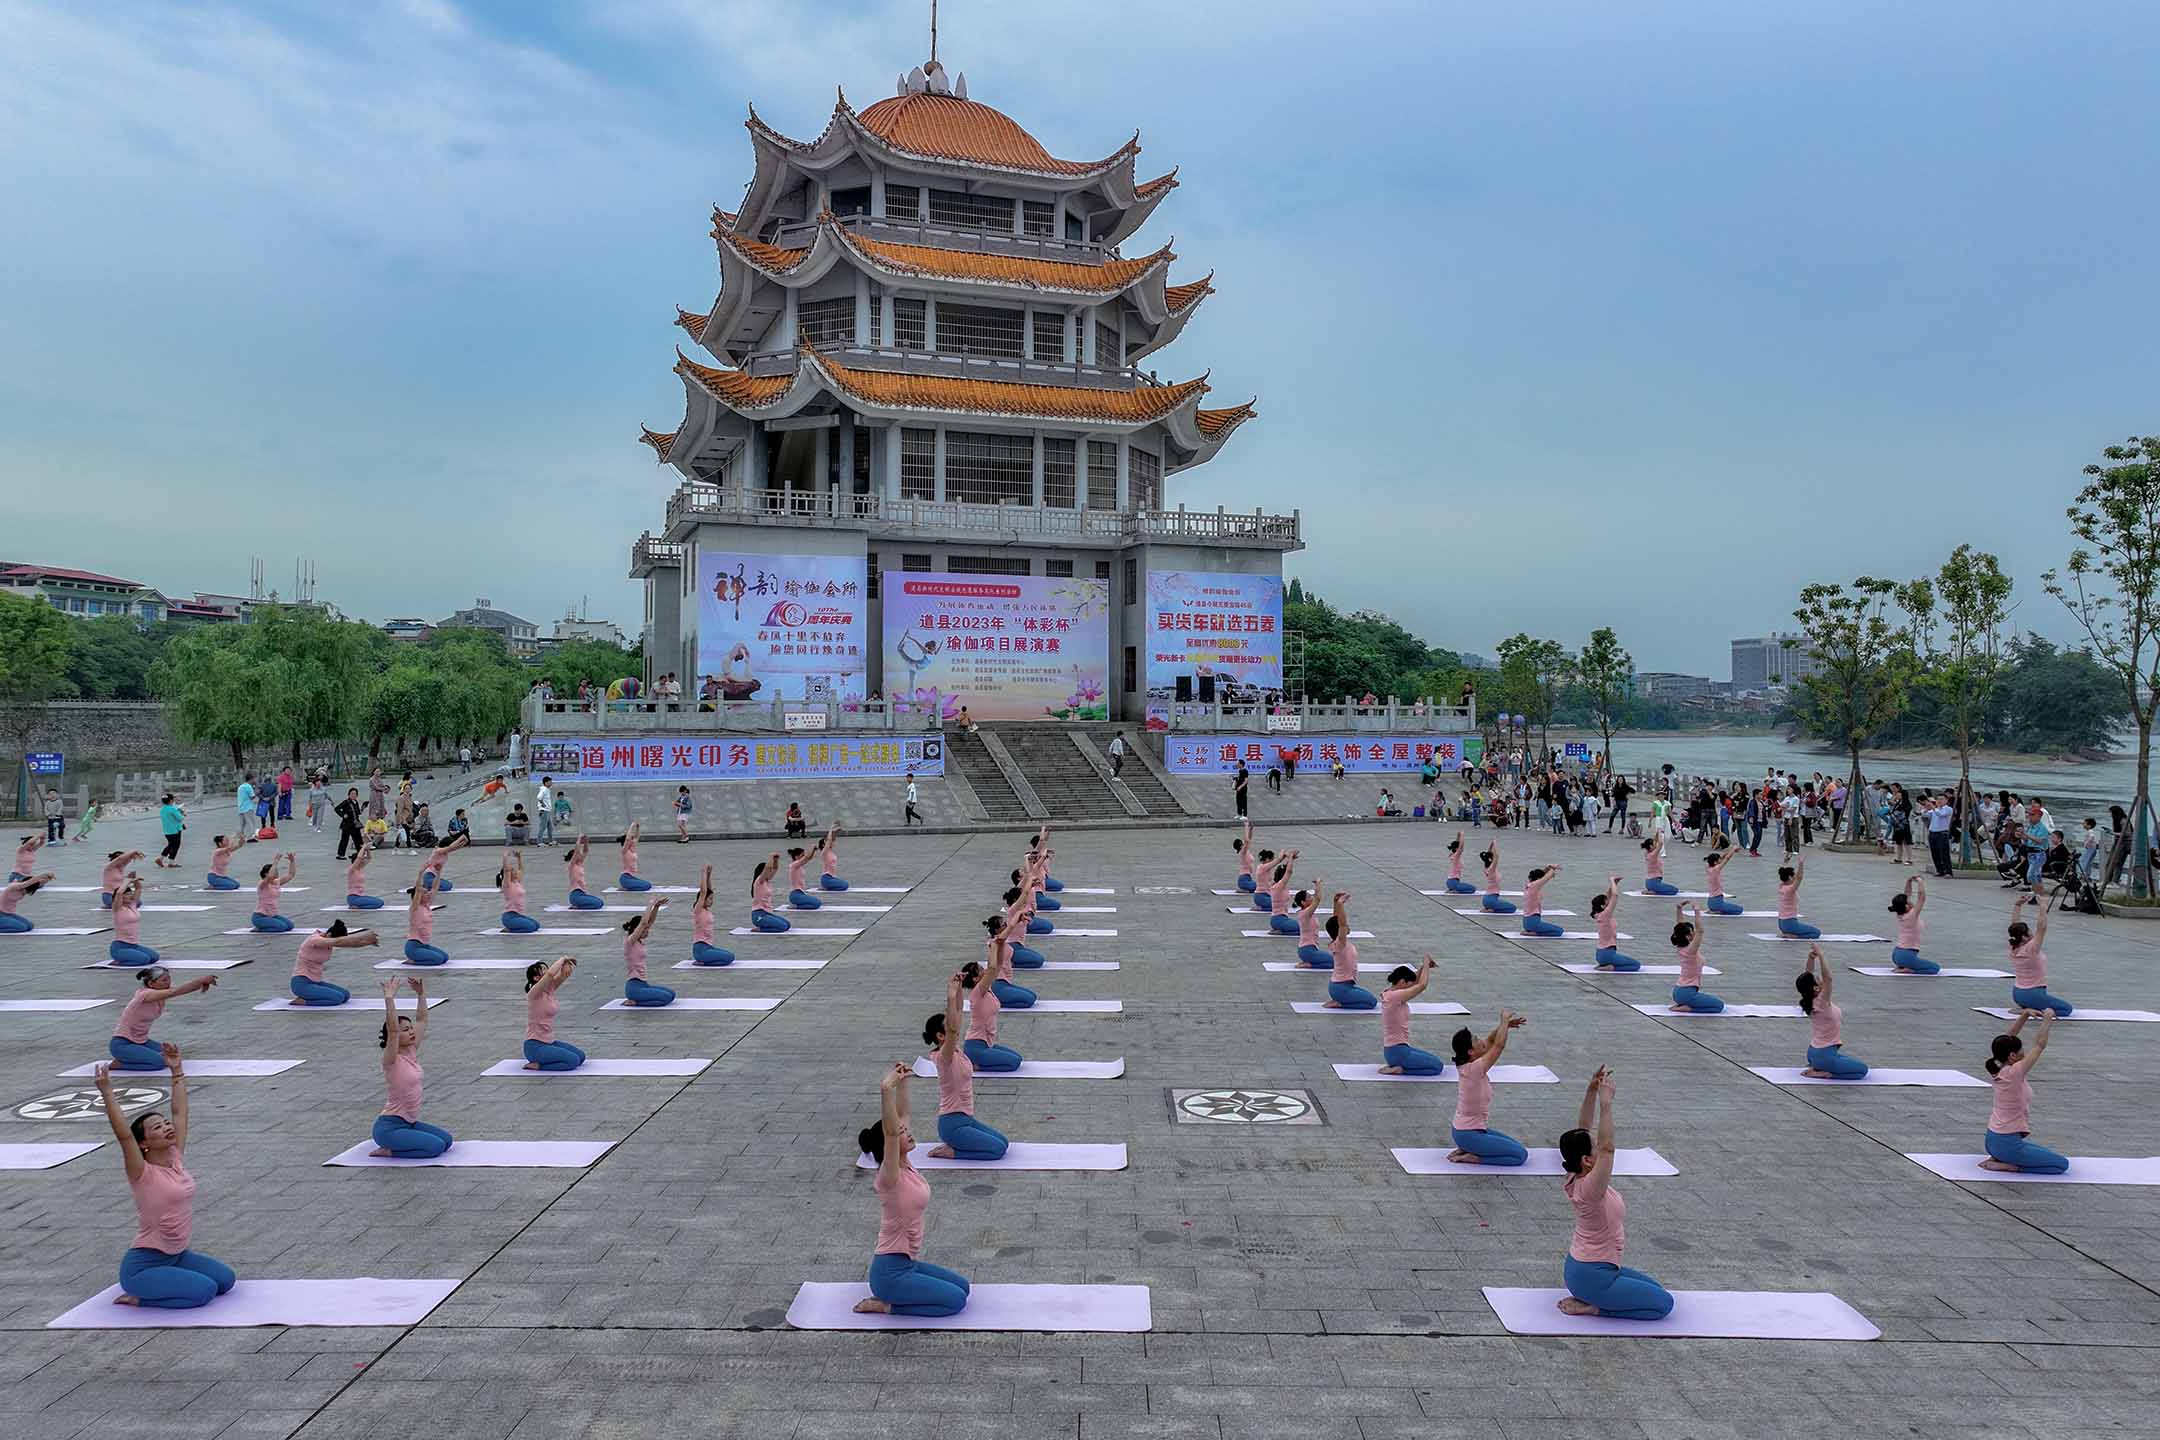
(1600, 1221)
(513, 894)
(832, 861)
(1534, 895)
(313, 952)
(1344, 949)
(902, 1198)
(997, 956)
(1690, 958)
(1244, 861)
(356, 879)
(26, 859)
(955, 1083)
(1910, 927)
(1608, 928)
(982, 1016)
(577, 874)
(1788, 901)
(633, 958)
(1492, 878)
(1654, 863)
(541, 1003)
(110, 877)
(2029, 962)
(1824, 1023)
(1454, 866)
(2011, 1113)
(420, 918)
(761, 892)
(1716, 877)
(164, 1207)
(1279, 891)
(629, 857)
(127, 922)
(139, 1014)
(1394, 1016)
(266, 896)
(12, 896)
(1473, 1093)
(701, 924)
(220, 860)
(795, 871)
(1308, 925)
(401, 1084)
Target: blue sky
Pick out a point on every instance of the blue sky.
(1559, 313)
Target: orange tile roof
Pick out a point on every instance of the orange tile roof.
(769, 258)
(732, 387)
(1006, 397)
(691, 321)
(946, 127)
(1149, 189)
(725, 219)
(1105, 279)
(1214, 422)
(661, 443)
(1180, 296)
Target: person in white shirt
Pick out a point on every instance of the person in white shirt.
(910, 815)
(544, 809)
(1117, 756)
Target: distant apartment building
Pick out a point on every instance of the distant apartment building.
(519, 636)
(409, 628)
(577, 627)
(1774, 659)
(84, 594)
(1669, 685)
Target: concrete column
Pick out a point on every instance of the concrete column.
(847, 454)
(1036, 440)
(1027, 333)
(888, 469)
(820, 460)
(1019, 217)
(1069, 351)
(862, 309)
(787, 320)
(1083, 326)
(889, 302)
(937, 465)
(877, 193)
(929, 329)
(1124, 476)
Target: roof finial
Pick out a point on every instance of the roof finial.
(933, 31)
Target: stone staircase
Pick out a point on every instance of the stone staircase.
(1064, 781)
(1138, 778)
(967, 754)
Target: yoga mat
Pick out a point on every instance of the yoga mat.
(1563, 935)
(1282, 967)
(198, 889)
(1069, 1309)
(1020, 1155)
(1700, 1314)
(357, 909)
(1744, 915)
(1481, 910)
(1265, 934)
(130, 966)
(1417, 1007)
(52, 1004)
(2143, 1017)
(504, 1154)
(355, 1302)
(599, 1067)
(1086, 890)
(1541, 1162)
(588, 910)
(1578, 968)
(872, 890)
(71, 930)
(1818, 940)
(1063, 909)
(1500, 1075)
(1064, 930)
(753, 965)
(1681, 895)
(406, 967)
(778, 934)
(43, 1157)
(194, 1067)
(296, 934)
(1503, 894)
(1737, 1012)
(926, 1068)
(2084, 1170)
(655, 890)
(1938, 1079)
(358, 1002)
(688, 1002)
(1071, 965)
(172, 909)
(1946, 973)
(76, 889)
(830, 908)
(1063, 1007)
(554, 930)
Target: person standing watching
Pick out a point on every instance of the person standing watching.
(348, 813)
(284, 793)
(244, 804)
(1117, 756)
(910, 815)
(173, 821)
(544, 809)
(1939, 815)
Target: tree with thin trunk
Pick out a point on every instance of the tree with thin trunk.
(1532, 673)
(1604, 671)
(1960, 670)
(2111, 587)
(1863, 669)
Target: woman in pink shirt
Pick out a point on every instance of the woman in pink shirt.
(25, 858)
(1789, 922)
(158, 1270)
(130, 1045)
(1019, 921)
(1039, 847)
(2010, 1118)
(511, 881)
(1597, 1283)
(983, 1007)
(702, 949)
(629, 879)
(1714, 879)
(399, 1130)
(1023, 896)
(266, 919)
(636, 989)
(1490, 858)
(420, 947)
(1907, 905)
(356, 892)
(762, 915)
(1398, 1055)
(13, 894)
(440, 857)
(1243, 846)
(997, 959)
(542, 1050)
(307, 983)
(900, 1283)
(1306, 906)
(574, 866)
(126, 947)
(1533, 906)
(829, 860)
(221, 852)
(1654, 881)
(1825, 1057)
(1455, 884)
(2028, 962)
(798, 862)
(960, 1134)
(1475, 1142)
(1687, 938)
(1605, 915)
(116, 868)
(1280, 920)
(1343, 991)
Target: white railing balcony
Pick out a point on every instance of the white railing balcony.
(943, 235)
(648, 554)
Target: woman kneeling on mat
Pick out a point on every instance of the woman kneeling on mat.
(574, 862)
(420, 947)
(1533, 920)
(1263, 870)
(997, 958)
(1597, 1283)
(762, 915)
(983, 1006)
(1280, 920)
(1490, 858)
(130, 1045)
(1018, 912)
(1654, 881)
(1907, 905)
(511, 881)
(399, 1130)
(1399, 1055)
(1039, 853)
(1243, 846)
(222, 850)
(25, 858)
(702, 949)
(1019, 899)
(307, 984)
(1456, 885)
(1788, 901)
(269, 882)
(356, 895)
(797, 896)
(1343, 991)
(1475, 1142)
(900, 1284)
(14, 894)
(1687, 938)
(542, 1050)
(1714, 877)
(1605, 915)
(635, 988)
(115, 871)
(158, 1270)
(2028, 962)
(1825, 1058)
(1027, 878)
(2010, 1118)
(629, 880)
(1306, 905)
(960, 1134)
(829, 860)
(126, 947)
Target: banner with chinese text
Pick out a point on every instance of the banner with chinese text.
(677, 759)
(1220, 754)
(1009, 647)
(1205, 624)
(785, 623)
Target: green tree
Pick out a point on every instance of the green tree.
(2112, 589)
(218, 692)
(113, 655)
(1603, 670)
(2052, 701)
(36, 642)
(587, 661)
(1865, 668)
(1959, 674)
(1532, 674)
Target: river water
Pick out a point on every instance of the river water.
(1736, 757)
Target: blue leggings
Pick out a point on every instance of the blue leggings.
(1725, 905)
(1282, 924)
(1910, 960)
(1026, 957)
(15, 925)
(1314, 957)
(1460, 887)
(363, 902)
(580, 900)
(638, 992)
(2036, 997)
(770, 923)
(127, 1055)
(517, 922)
(1696, 999)
(1247, 884)
(1616, 1290)
(1539, 925)
(126, 952)
(1046, 902)
(916, 1287)
(831, 882)
(991, 1057)
(410, 1140)
(270, 924)
(419, 952)
(632, 883)
(221, 882)
(1011, 996)
(1497, 905)
(970, 1138)
(439, 882)
(1830, 1060)
(1611, 959)
(1411, 1060)
(1660, 886)
(1052, 883)
(1491, 1147)
(1264, 902)
(803, 900)
(2021, 1152)
(186, 1281)
(1798, 929)
(104, 899)
(1040, 926)
(318, 992)
(704, 954)
(553, 1055)
(1350, 995)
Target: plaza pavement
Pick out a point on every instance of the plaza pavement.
(1302, 1285)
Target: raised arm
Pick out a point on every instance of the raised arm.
(1424, 978)
(1612, 896)
(353, 939)
(705, 891)
(171, 1052)
(292, 868)
(1820, 969)
(1342, 914)
(950, 1040)
(389, 1022)
(1602, 1161)
(1799, 870)
(131, 1155)
(630, 836)
(893, 1114)
(1496, 1041)
(551, 979)
(2040, 925)
(645, 921)
(420, 1009)
(2038, 1047)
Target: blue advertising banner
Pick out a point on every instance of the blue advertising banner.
(1220, 754)
(677, 759)
(46, 762)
